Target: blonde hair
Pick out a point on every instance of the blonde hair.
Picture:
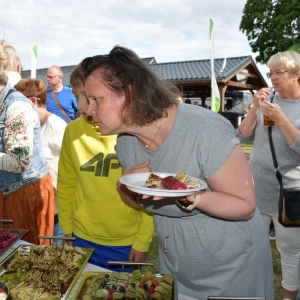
(6, 51)
(289, 60)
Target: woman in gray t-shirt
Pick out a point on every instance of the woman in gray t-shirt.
(285, 113)
(214, 246)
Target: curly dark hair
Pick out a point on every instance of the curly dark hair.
(147, 95)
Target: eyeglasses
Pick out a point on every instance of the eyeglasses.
(50, 77)
(38, 99)
(278, 72)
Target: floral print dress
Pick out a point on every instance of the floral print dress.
(18, 136)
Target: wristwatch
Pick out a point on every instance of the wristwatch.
(188, 205)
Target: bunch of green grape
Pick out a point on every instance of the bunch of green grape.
(13, 275)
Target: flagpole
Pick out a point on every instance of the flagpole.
(33, 61)
(215, 95)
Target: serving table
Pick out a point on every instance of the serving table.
(89, 267)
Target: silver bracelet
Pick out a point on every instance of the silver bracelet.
(191, 206)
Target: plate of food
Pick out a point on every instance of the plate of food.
(163, 184)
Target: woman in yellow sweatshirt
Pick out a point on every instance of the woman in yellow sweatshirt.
(89, 205)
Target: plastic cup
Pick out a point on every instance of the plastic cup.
(268, 121)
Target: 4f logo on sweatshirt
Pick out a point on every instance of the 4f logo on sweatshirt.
(101, 165)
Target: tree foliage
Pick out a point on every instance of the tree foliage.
(271, 26)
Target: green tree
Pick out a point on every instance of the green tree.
(271, 26)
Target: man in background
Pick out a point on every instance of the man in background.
(14, 73)
(60, 99)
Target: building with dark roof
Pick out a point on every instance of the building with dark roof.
(233, 75)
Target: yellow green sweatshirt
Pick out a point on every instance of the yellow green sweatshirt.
(89, 204)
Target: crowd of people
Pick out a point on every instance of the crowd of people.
(71, 145)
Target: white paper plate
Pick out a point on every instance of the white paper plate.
(136, 183)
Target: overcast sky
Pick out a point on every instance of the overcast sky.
(66, 31)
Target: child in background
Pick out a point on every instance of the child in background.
(89, 205)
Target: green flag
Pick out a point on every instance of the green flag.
(215, 95)
(295, 47)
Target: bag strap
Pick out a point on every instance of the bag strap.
(9, 92)
(277, 172)
(59, 106)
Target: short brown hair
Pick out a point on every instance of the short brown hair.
(77, 77)
(147, 94)
(33, 87)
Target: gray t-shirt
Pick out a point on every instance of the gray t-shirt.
(208, 256)
(261, 162)
(199, 143)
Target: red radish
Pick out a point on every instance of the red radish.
(171, 183)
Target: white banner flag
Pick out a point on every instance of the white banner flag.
(215, 95)
(33, 61)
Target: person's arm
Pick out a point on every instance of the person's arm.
(126, 195)
(288, 129)
(247, 127)
(66, 183)
(233, 195)
(56, 134)
(144, 235)
(248, 124)
(18, 137)
(143, 238)
(55, 139)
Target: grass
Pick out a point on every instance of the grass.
(153, 250)
(153, 254)
(276, 271)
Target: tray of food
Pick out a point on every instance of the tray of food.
(8, 237)
(124, 285)
(43, 272)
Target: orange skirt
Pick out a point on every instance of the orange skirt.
(30, 207)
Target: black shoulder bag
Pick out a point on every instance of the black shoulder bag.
(289, 200)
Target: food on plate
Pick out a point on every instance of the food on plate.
(181, 181)
(153, 181)
(184, 177)
(6, 238)
(171, 183)
(43, 272)
(130, 286)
